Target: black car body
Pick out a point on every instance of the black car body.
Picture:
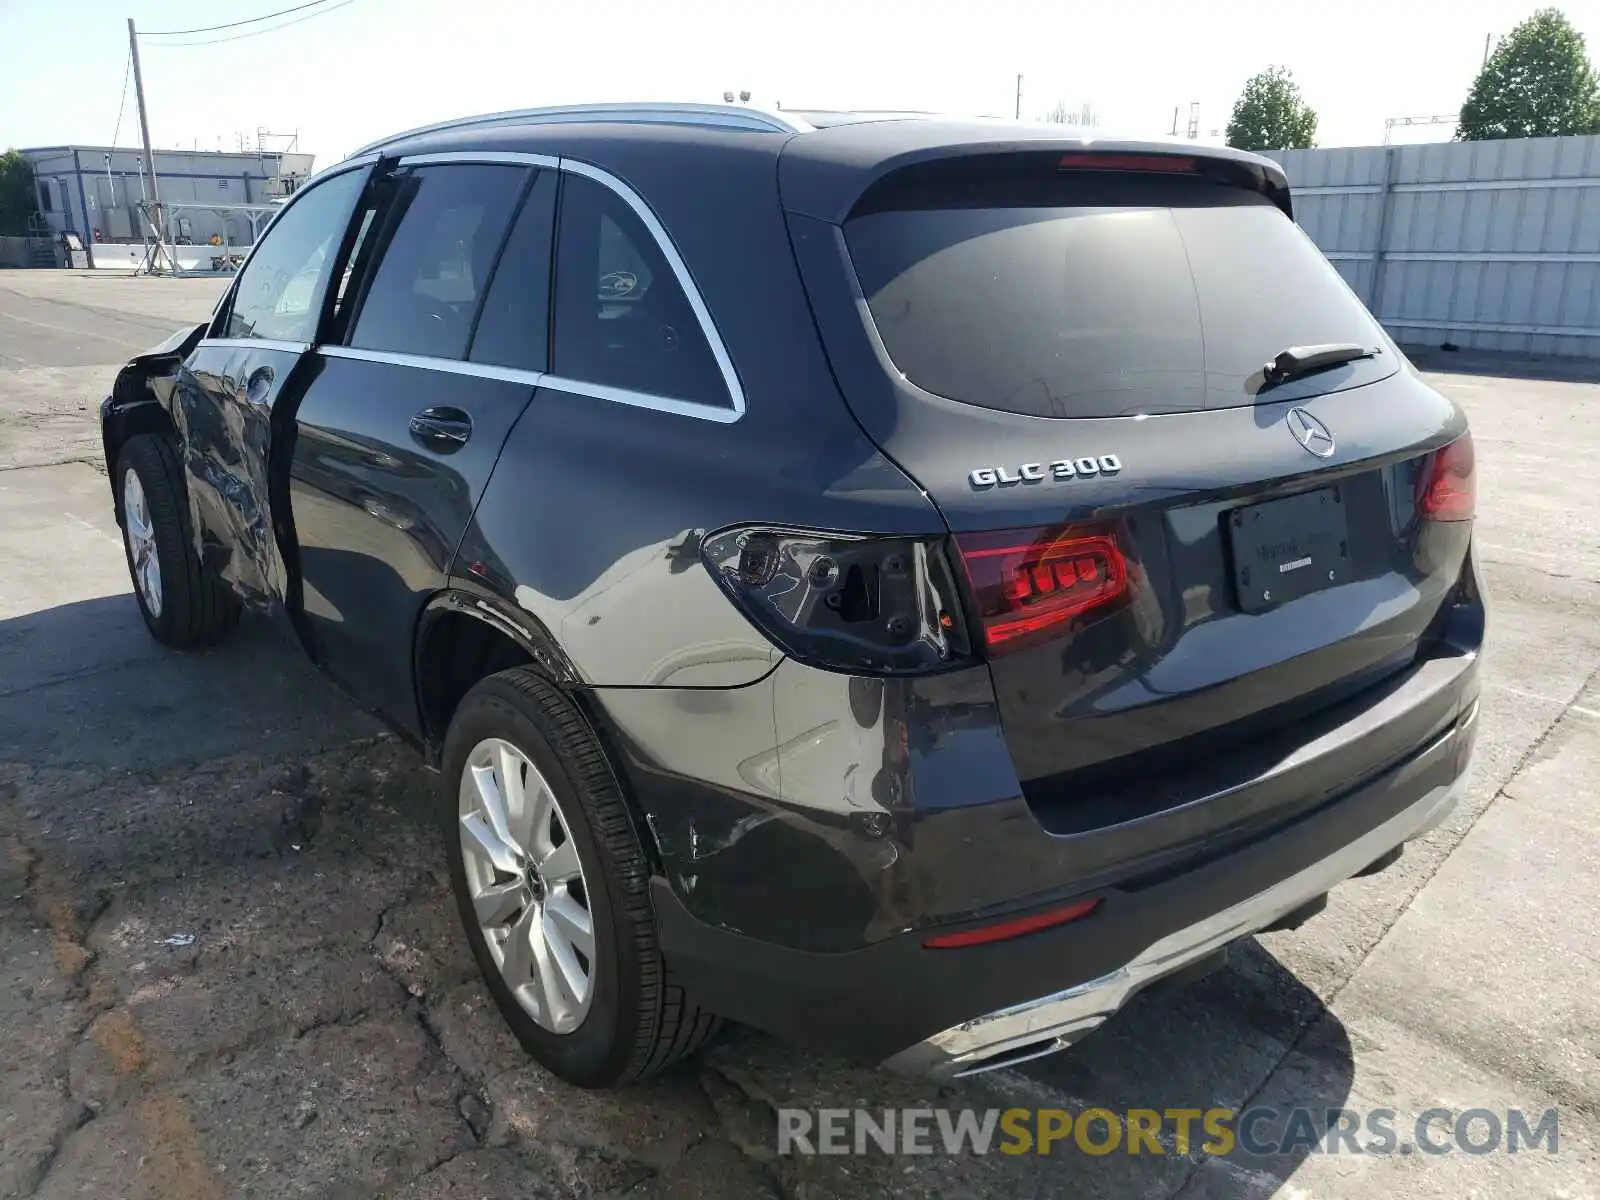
(978, 616)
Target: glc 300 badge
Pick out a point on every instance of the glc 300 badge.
(1062, 468)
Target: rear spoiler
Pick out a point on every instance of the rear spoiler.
(826, 174)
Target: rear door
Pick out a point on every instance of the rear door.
(236, 388)
(433, 353)
(1173, 558)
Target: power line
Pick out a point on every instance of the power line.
(122, 103)
(254, 32)
(282, 12)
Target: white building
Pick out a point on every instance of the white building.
(94, 191)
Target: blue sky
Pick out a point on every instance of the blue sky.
(376, 66)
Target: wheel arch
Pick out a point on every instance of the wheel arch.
(459, 632)
(121, 422)
(464, 636)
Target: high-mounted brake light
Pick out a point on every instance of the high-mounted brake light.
(1447, 488)
(1170, 164)
(1026, 581)
(1005, 930)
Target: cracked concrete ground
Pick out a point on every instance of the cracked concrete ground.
(229, 964)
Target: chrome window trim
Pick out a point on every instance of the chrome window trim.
(508, 157)
(716, 413)
(456, 366)
(666, 404)
(708, 328)
(714, 116)
(332, 169)
(253, 344)
(428, 362)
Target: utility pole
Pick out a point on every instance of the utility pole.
(1487, 38)
(1019, 98)
(144, 132)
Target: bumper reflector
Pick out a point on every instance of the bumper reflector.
(1013, 928)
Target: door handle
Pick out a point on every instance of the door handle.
(442, 429)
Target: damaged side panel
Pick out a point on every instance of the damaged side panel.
(232, 402)
(223, 406)
(886, 804)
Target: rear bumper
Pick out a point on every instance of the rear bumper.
(953, 1012)
(1050, 1023)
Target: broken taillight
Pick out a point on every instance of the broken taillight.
(843, 602)
(1027, 581)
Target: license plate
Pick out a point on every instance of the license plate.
(1288, 548)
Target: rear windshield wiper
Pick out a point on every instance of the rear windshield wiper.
(1303, 360)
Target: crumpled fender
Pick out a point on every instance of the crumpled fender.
(141, 395)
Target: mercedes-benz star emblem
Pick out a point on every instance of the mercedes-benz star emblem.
(1311, 433)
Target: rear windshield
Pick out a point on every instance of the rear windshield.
(1100, 296)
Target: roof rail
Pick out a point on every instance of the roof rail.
(724, 116)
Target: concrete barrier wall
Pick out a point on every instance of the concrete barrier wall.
(190, 258)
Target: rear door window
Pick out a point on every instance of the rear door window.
(443, 232)
(1101, 296)
(621, 318)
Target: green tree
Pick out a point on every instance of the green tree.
(1271, 115)
(1537, 83)
(16, 193)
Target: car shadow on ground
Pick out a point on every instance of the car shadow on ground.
(232, 798)
(84, 684)
(1214, 1044)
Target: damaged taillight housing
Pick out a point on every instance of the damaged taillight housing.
(867, 605)
(1030, 585)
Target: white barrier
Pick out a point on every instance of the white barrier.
(120, 257)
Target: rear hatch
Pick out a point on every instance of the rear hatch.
(1187, 567)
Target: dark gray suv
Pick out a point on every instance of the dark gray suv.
(902, 583)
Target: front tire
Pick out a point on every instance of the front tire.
(553, 888)
(183, 603)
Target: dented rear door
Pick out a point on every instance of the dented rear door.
(233, 403)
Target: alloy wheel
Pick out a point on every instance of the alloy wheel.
(141, 536)
(527, 885)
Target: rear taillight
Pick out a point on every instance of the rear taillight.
(1447, 488)
(1026, 582)
(868, 605)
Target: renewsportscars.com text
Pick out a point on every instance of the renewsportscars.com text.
(1260, 1131)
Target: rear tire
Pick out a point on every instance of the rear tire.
(631, 1020)
(184, 604)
